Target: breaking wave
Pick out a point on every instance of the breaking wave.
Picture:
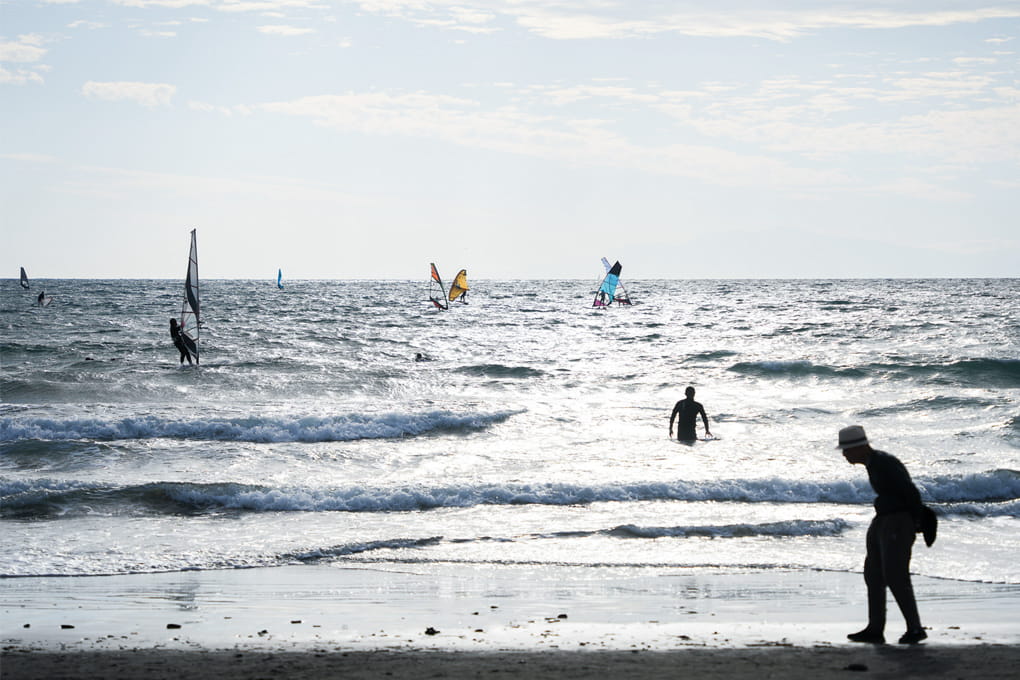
(346, 427)
(980, 372)
(992, 493)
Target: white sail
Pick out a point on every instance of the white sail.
(190, 322)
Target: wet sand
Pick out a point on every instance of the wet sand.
(457, 621)
(923, 661)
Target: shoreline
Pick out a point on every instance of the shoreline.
(470, 620)
(481, 607)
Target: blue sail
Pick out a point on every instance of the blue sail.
(279, 278)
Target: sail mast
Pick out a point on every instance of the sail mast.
(440, 299)
(190, 307)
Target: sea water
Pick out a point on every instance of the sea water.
(533, 433)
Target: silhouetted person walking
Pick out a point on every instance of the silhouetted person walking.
(898, 514)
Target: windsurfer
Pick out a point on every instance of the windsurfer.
(688, 411)
(42, 298)
(175, 333)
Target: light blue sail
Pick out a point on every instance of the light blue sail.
(279, 278)
(607, 291)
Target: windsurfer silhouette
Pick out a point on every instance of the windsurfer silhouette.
(42, 297)
(175, 334)
(688, 411)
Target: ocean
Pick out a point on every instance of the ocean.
(534, 432)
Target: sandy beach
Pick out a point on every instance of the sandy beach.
(466, 621)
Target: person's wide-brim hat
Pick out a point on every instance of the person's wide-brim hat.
(851, 437)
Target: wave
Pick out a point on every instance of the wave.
(939, 403)
(994, 491)
(793, 369)
(710, 356)
(346, 550)
(500, 371)
(983, 372)
(791, 529)
(346, 427)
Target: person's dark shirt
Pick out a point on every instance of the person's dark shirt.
(175, 334)
(892, 484)
(687, 412)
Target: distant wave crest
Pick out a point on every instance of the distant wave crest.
(792, 528)
(993, 493)
(345, 427)
(977, 372)
(500, 371)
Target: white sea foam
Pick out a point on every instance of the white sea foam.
(993, 493)
(252, 429)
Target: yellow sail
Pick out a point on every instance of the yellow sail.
(459, 286)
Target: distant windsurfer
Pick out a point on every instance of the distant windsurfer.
(42, 297)
(686, 414)
(175, 333)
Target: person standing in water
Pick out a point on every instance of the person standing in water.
(898, 514)
(686, 414)
(175, 334)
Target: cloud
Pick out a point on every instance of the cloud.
(284, 30)
(19, 77)
(83, 23)
(579, 142)
(147, 94)
(205, 107)
(29, 157)
(27, 49)
(265, 6)
(166, 4)
(781, 21)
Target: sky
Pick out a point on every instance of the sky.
(358, 139)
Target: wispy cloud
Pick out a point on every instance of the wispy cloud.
(783, 21)
(84, 23)
(19, 77)
(29, 157)
(222, 110)
(284, 30)
(147, 94)
(465, 122)
(26, 49)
